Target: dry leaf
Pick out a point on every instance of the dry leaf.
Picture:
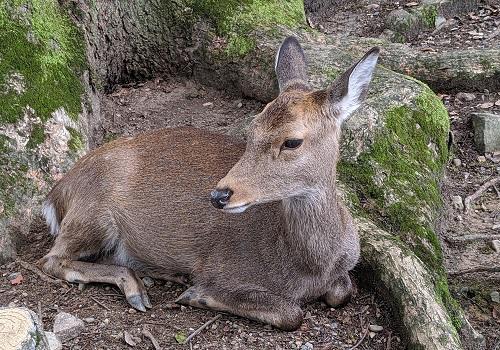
(18, 280)
(411, 4)
(486, 105)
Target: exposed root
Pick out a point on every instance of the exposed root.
(470, 199)
(150, 336)
(475, 270)
(472, 238)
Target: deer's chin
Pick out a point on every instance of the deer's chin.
(236, 209)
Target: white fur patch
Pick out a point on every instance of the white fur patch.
(236, 210)
(358, 81)
(49, 212)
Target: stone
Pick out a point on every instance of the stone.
(402, 23)
(439, 21)
(486, 131)
(481, 159)
(307, 346)
(465, 96)
(53, 342)
(495, 245)
(457, 202)
(375, 328)
(148, 281)
(67, 326)
(457, 162)
(495, 296)
(20, 329)
(89, 320)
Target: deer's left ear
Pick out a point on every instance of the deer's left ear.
(290, 65)
(350, 89)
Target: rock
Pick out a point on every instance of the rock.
(457, 202)
(148, 281)
(481, 159)
(307, 346)
(402, 23)
(13, 276)
(495, 245)
(439, 21)
(375, 328)
(457, 162)
(495, 296)
(372, 6)
(465, 96)
(486, 131)
(20, 329)
(89, 320)
(53, 342)
(67, 326)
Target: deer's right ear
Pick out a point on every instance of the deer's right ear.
(290, 65)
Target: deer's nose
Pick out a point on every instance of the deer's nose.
(219, 198)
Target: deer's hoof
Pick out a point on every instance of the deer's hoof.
(136, 302)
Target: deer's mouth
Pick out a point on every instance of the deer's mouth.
(236, 209)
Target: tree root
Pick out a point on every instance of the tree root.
(472, 238)
(475, 270)
(470, 199)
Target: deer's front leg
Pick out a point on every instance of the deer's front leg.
(340, 291)
(253, 304)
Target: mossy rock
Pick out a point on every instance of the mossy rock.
(41, 62)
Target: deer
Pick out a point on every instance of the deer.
(254, 229)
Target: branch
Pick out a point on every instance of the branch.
(468, 200)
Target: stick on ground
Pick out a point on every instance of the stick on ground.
(470, 199)
(472, 238)
(361, 340)
(205, 325)
(99, 303)
(150, 336)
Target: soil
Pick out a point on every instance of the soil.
(154, 104)
(477, 29)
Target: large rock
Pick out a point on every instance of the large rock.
(486, 131)
(20, 329)
(43, 108)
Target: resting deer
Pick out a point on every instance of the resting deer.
(142, 205)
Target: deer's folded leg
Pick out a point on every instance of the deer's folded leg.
(340, 292)
(257, 305)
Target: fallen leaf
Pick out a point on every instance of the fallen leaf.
(180, 337)
(129, 339)
(18, 280)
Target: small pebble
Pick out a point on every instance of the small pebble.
(240, 105)
(457, 202)
(131, 311)
(375, 328)
(208, 104)
(307, 346)
(106, 321)
(148, 281)
(457, 162)
(481, 159)
(495, 244)
(89, 320)
(371, 335)
(13, 276)
(495, 296)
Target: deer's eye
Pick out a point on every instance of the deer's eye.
(291, 144)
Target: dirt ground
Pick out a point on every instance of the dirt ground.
(154, 104)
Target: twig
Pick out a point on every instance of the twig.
(471, 238)
(150, 336)
(469, 199)
(476, 269)
(40, 314)
(496, 190)
(389, 341)
(100, 304)
(41, 274)
(361, 340)
(205, 325)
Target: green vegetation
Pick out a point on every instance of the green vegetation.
(75, 143)
(37, 136)
(235, 20)
(39, 42)
(398, 180)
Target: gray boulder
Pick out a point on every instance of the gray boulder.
(67, 326)
(486, 131)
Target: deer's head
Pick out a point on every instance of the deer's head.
(293, 144)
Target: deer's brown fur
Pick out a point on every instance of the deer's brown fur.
(141, 204)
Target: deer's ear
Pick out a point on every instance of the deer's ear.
(290, 65)
(350, 89)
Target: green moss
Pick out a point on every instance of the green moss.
(37, 136)
(75, 143)
(46, 49)
(235, 20)
(428, 15)
(397, 181)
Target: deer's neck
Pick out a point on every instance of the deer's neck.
(313, 224)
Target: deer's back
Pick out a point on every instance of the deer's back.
(151, 193)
